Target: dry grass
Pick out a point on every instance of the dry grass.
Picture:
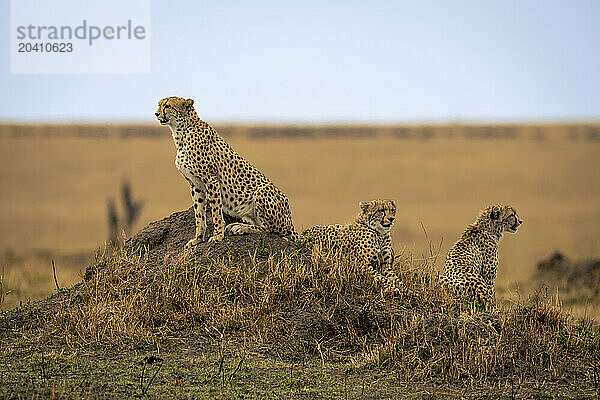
(440, 176)
(128, 297)
(321, 304)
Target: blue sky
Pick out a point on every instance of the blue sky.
(355, 61)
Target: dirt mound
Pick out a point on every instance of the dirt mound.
(577, 277)
(169, 235)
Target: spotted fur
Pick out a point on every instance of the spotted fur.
(472, 263)
(221, 179)
(367, 239)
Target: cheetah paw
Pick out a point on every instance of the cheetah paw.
(193, 242)
(215, 239)
(234, 229)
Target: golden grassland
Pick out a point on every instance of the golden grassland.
(54, 187)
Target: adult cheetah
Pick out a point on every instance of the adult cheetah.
(221, 179)
(472, 263)
(367, 240)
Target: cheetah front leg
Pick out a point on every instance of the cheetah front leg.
(199, 197)
(372, 262)
(473, 288)
(489, 267)
(486, 296)
(215, 202)
(387, 254)
(387, 260)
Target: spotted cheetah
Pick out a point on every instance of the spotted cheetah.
(367, 239)
(221, 179)
(472, 263)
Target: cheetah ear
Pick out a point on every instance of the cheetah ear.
(189, 103)
(364, 205)
(393, 203)
(495, 214)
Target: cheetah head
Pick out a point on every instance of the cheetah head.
(173, 110)
(378, 214)
(499, 218)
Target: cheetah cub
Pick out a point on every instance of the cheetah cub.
(367, 239)
(221, 179)
(472, 263)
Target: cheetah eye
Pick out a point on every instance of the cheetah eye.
(167, 106)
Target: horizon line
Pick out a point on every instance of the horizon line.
(316, 122)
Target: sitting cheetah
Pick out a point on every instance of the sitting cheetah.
(472, 263)
(367, 239)
(219, 175)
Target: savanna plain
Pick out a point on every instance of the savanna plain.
(55, 182)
